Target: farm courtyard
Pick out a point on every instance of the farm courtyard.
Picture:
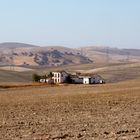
(84, 112)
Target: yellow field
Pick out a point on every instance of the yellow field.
(110, 111)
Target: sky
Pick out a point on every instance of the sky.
(71, 23)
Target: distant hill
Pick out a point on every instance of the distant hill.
(104, 54)
(16, 45)
(31, 55)
(116, 51)
(134, 52)
(112, 63)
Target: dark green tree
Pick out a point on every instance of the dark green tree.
(36, 77)
(50, 75)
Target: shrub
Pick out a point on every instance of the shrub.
(36, 77)
(50, 75)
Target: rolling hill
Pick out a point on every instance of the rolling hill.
(7, 76)
(112, 63)
(9, 45)
(30, 55)
(108, 54)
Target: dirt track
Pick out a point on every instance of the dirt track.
(71, 112)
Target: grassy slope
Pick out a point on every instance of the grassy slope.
(118, 72)
(112, 72)
(11, 76)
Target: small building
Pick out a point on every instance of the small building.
(86, 80)
(75, 79)
(97, 79)
(42, 80)
(90, 79)
(60, 77)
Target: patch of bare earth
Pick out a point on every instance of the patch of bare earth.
(99, 112)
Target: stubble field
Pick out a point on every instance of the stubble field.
(99, 112)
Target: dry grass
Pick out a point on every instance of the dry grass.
(99, 112)
(111, 72)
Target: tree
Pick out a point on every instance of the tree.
(50, 75)
(36, 77)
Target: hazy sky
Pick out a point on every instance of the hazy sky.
(71, 23)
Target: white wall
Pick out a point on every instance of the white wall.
(86, 80)
(59, 77)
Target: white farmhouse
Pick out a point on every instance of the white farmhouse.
(86, 80)
(92, 79)
(60, 77)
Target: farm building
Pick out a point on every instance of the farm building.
(88, 79)
(60, 77)
(75, 79)
(94, 79)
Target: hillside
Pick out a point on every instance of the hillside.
(9, 45)
(111, 73)
(32, 55)
(115, 73)
(108, 54)
(102, 54)
(14, 76)
(18, 54)
(112, 64)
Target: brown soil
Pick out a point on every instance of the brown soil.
(99, 112)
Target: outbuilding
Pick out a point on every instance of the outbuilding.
(86, 80)
(59, 77)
